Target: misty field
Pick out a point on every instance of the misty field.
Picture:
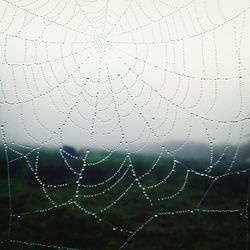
(199, 216)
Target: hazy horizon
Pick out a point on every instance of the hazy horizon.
(137, 76)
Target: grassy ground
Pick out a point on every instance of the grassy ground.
(182, 222)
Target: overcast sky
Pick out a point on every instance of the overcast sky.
(124, 73)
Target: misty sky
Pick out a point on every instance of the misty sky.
(124, 73)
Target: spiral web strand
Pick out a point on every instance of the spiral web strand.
(119, 76)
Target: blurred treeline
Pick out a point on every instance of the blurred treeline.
(112, 205)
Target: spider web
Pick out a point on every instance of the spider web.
(119, 77)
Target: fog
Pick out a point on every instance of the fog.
(124, 74)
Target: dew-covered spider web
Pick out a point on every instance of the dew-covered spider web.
(130, 115)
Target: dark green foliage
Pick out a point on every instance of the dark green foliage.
(68, 226)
